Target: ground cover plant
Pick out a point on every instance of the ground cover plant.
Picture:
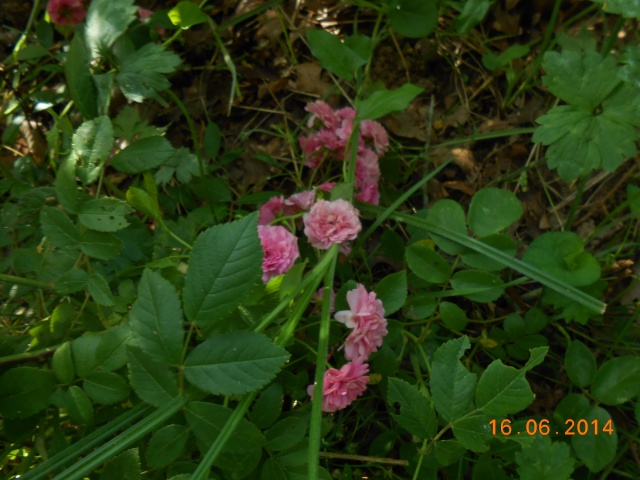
(319, 239)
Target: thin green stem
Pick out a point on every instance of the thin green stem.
(315, 431)
(27, 282)
(34, 356)
(173, 235)
(575, 204)
(192, 130)
(23, 37)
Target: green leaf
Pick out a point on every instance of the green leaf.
(545, 459)
(143, 202)
(111, 352)
(234, 363)
(58, 228)
(392, 291)
(106, 214)
(334, 55)
(616, 381)
(268, 406)
(143, 154)
(207, 420)
(503, 390)
(495, 62)
(477, 285)
(473, 432)
(167, 445)
(631, 71)
(78, 405)
(186, 14)
(493, 210)
(472, 14)
(287, 433)
(106, 387)
(25, 391)
(448, 452)
(91, 145)
(414, 18)
(104, 87)
(99, 290)
(449, 214)
(595, 450)
(452, 385)
(153, 382)
(225, 264)
(66, 187)
(101, 245)
(383, 102)
(626, 8)
(426, 263)
(156, 319)
(140, 74)
(125, 466)
(580, 364)
(212, 140)
(79, 79)
(482, 262)
(453, 316)
(416, 411)
(562, 255)
(106, 21)
(62, 364)
(84, 352)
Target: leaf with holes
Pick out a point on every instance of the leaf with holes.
(106, 214)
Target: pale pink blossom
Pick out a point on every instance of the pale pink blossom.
(375, 132)
(367, 168)
(341, 387)
(280, 250)
(369, 194)
(326, 187)
(367, 323)
(328, 223)
(299, 202)
(66, 12)
(322, 111)
(271, 209)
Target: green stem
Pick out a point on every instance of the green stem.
(24, 281)
(315, 431)
(173, 235)
(611, 37)
(235, 89)
(192, 130)
(34, 356)
(575, 204)
(23, 37)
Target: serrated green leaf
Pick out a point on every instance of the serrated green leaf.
(111, 353)
(503, 390)
(286, 433)
(186, 14)
(453, 316)
(153, 382)
(79, 79)
(104, 89)
(562, 255)
(477, 285)
(78, 405)
(626, 8)
(143, 202)
(106, 214)
(106, 21)
(91, 145)
(234, 363)
(493, 210)
(225, 264)
(99, 290)
(25, 391)
(426, 263)
(156, 319)
(268, 406)
(579, 363)
(62, 364)
(207, 420)
(167, 445)
(383, 102)
(595, 449)
(84, 352)
(334, 55)
(106, 387)
(392, 291)
(448, 452)
(414, 18)
(141, 72)
(616, 381)
(473, 432)
(416, 411)
(58, 228)
(125, 466)
(631, 71)
(101, 245)
(66, 187)
(143, 154)
(545, 459)
(452, 385)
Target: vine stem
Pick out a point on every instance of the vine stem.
(28, 282)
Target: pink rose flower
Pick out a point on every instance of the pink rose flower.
(331, 222)
(341, 387)
(269, 211)
(299, 202)
(366, 319)
(369, 194)
(322, 111)
(280, 249)
(66, 12)
(376, 132)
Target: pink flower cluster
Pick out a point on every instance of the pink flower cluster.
(280, 250)
(277, 206)
(328, 223)
(368, 328)
(66, 12)
(331, 140)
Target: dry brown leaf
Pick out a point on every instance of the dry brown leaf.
(309, 79)
(463, 157)
(407, 124)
